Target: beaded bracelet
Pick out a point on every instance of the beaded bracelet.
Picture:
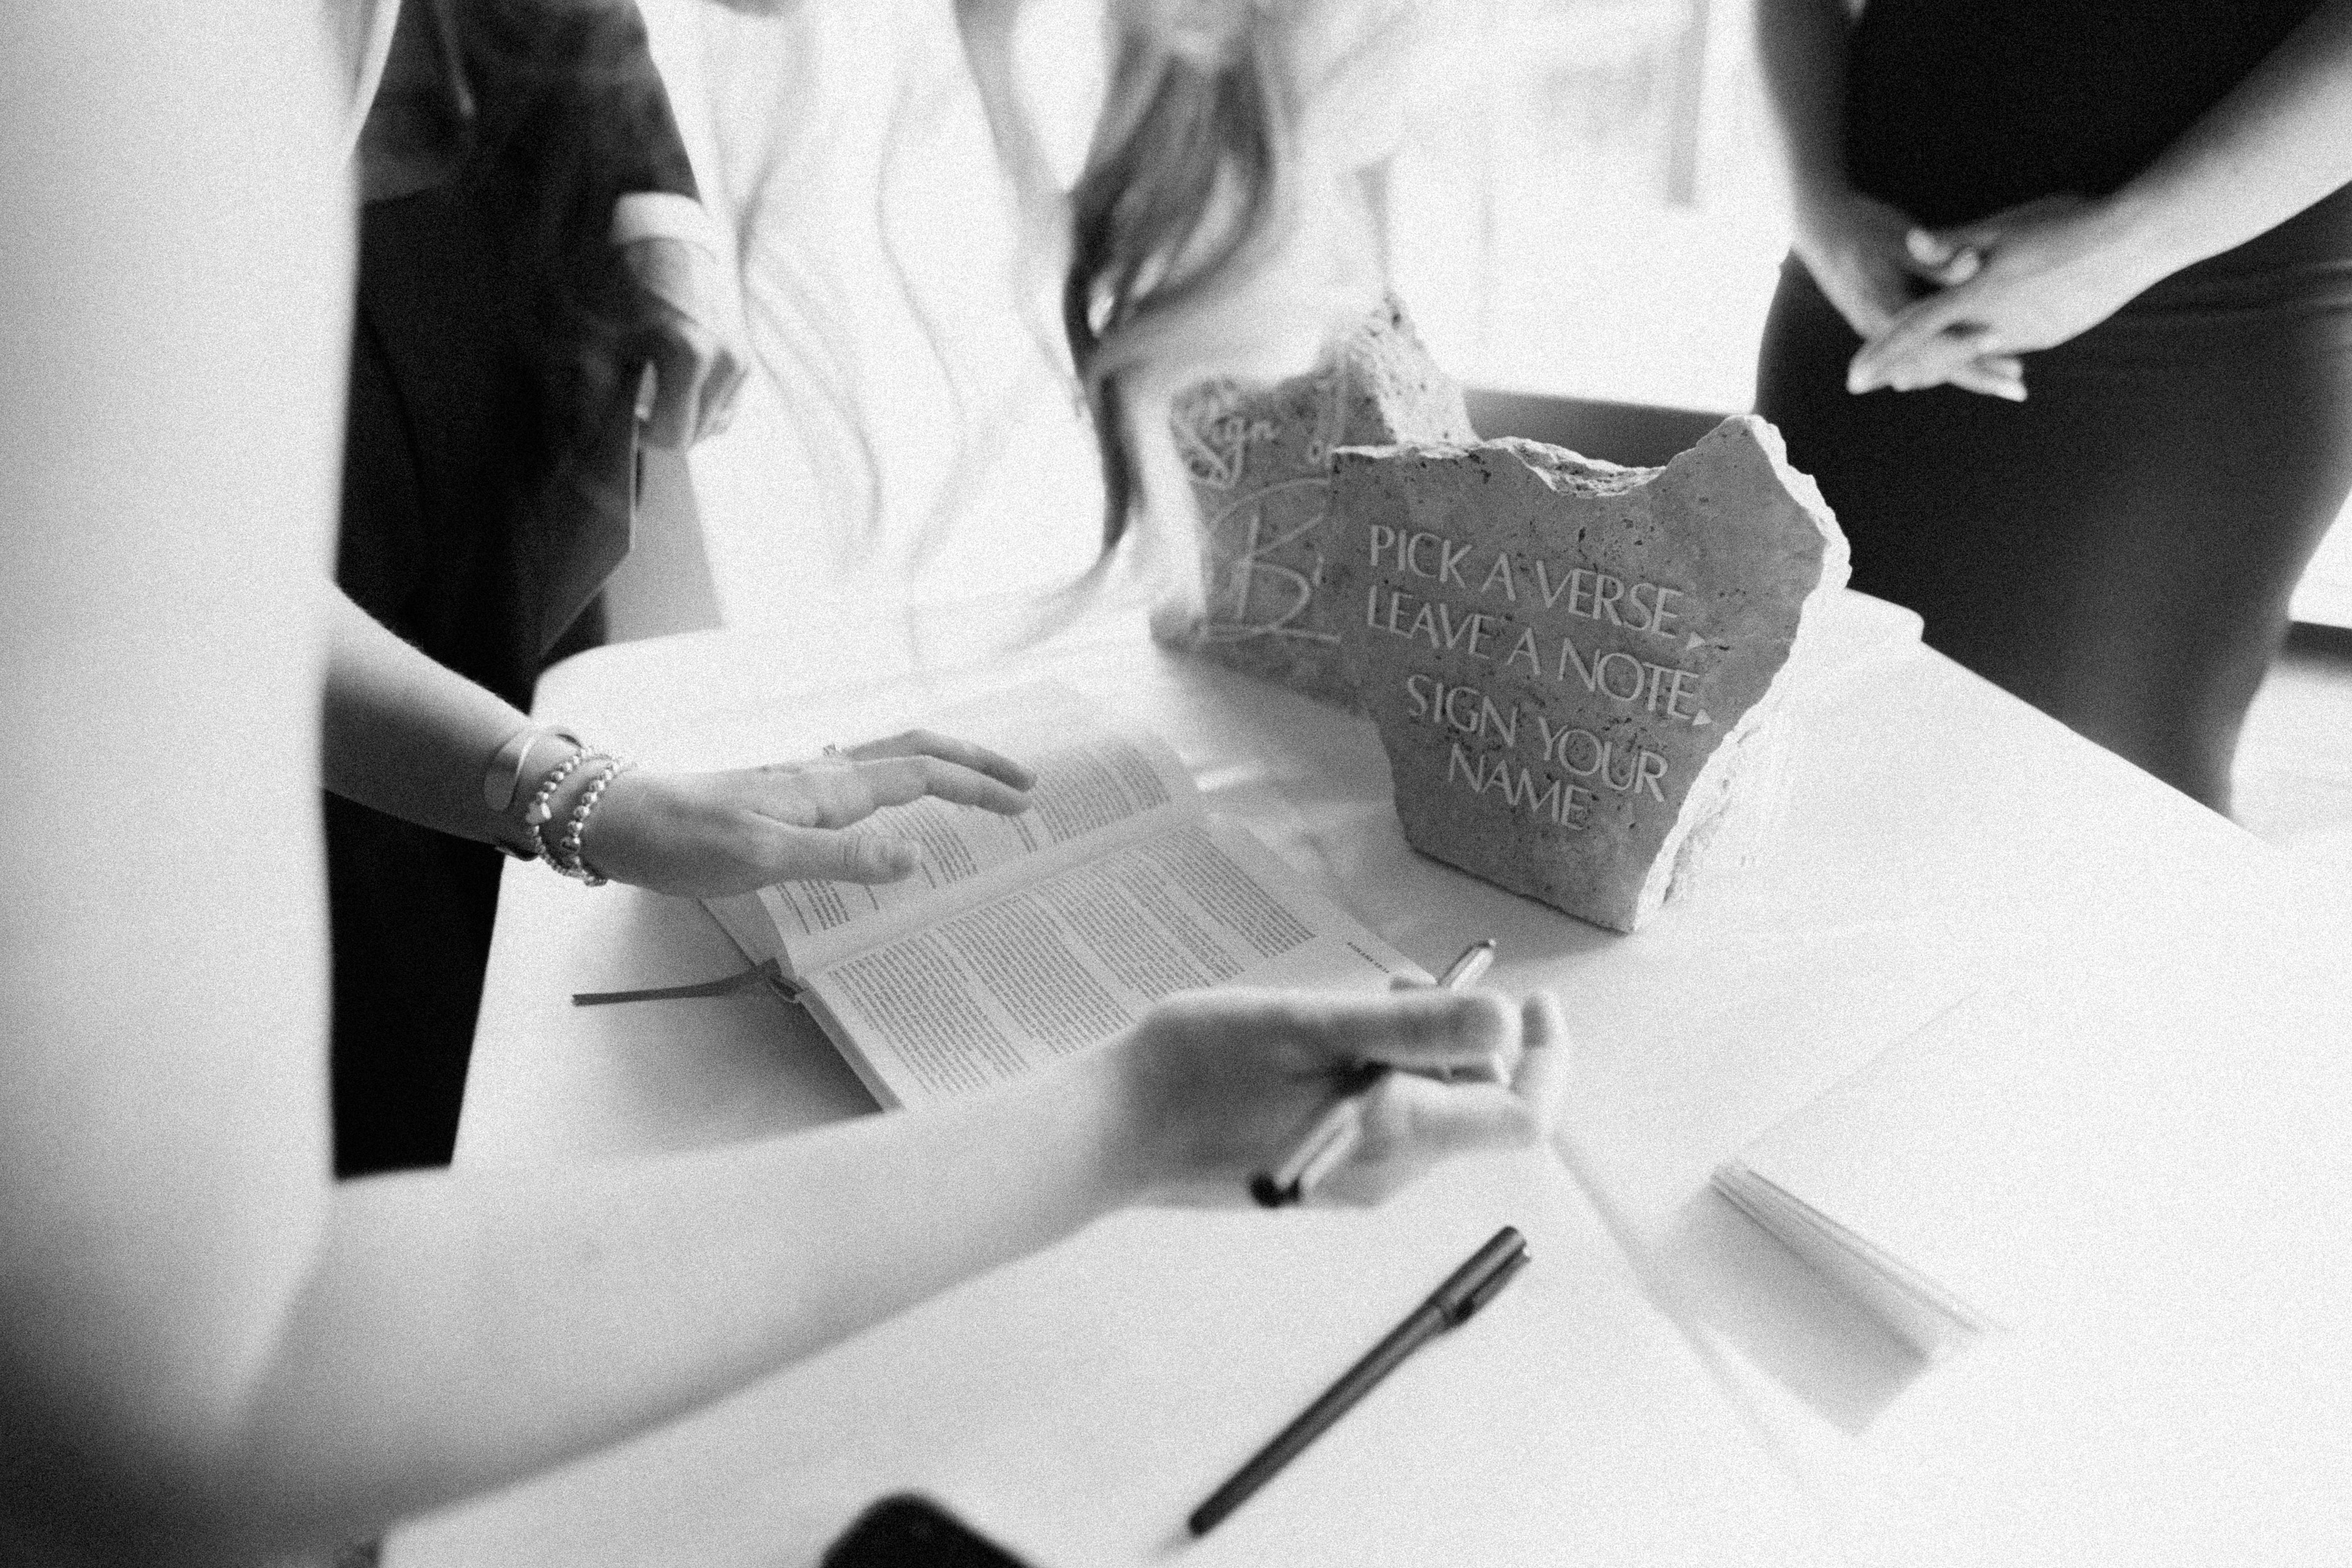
(567, 858)
(536, 814)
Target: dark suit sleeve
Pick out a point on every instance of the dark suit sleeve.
(568, 90)
(621, 83)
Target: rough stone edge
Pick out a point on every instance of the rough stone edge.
(1177, 614)
(1750, 765)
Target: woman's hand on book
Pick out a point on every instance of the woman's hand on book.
(1220, 1085)
(710, 834)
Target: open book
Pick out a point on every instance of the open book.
(1022, 939)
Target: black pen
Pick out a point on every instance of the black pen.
(1336, 1132)
(1466, 1291)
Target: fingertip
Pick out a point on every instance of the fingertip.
(1541, 1083)
(1543, 1022)
(1421, 1117)
(1012, 801)
(1485, 1016)
(1926, 249)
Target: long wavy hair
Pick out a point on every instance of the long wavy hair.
(1166, 253)
(1185, 182)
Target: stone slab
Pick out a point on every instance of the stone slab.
(1574, 666)
(1257, 460)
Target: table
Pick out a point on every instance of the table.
(2182, 1398)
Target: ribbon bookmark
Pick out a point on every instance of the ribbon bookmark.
(770, 972)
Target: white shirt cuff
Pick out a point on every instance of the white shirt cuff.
(664, 215)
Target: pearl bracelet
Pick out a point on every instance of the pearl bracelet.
(536, 814)
(566, 857)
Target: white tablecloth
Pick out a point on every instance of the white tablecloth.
(2180, 1397)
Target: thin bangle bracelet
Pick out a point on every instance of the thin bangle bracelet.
(502, 778)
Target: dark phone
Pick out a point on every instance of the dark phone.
(910, 1531)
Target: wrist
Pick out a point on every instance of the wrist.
(568, 793)
(515, 769)
(612, 843)
(2137, 233)
(572, 810)
(552, 786)
(1128, 1155)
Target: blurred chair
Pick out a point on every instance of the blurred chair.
(1638, 434)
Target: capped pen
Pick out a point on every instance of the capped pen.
(1325, 1146)
(1467, 1288)
(1475, 961)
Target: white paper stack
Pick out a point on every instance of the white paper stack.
(1893, 1184)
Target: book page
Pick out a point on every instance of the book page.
(1073, 960)
(1092, 779)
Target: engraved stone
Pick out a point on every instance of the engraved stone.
(1259, 459)
(1574, 667)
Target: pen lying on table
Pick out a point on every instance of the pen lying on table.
(1466, 1290)
(1334, 1137)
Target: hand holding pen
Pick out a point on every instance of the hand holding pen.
(1217, 1085)
(1334, 1137)
(1380, 1104)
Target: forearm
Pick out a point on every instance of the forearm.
(462, 1330)
(407, 735)
(2278, 142)
(1802, 48)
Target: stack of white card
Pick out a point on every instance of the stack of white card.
(1888, 1185)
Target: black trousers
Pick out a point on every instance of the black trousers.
(2119, 549)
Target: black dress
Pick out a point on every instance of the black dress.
(494, 332)
(2119, 549)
